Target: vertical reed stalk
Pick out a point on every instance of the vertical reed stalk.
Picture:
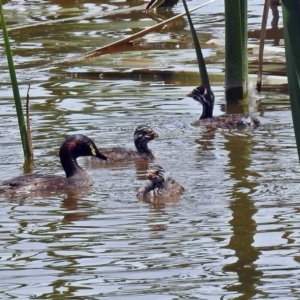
(15, 88)
(236, 56)
(28, 132)
(291, 22)
(201, 63)
(262, 44)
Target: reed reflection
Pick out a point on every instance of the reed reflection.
(243, 225)
(165, 14)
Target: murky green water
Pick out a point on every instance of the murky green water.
(234, 234)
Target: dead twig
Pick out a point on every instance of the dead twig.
(262, 44)
(28, 131)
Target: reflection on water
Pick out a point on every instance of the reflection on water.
(243, 226)
(232, 235)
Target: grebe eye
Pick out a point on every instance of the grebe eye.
(93, 151)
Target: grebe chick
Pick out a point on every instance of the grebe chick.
(73, 147)
(143, 134)
(206, 98)
(159, 184)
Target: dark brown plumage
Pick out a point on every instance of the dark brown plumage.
(159, 184)
(206, 98)
(73, 147)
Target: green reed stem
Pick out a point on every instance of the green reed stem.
(291, 22)
(13, 78)
(201, 63)
(236, 56)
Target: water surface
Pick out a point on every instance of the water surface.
(232, 235)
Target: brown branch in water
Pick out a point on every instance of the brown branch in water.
(262, 44)
(28, 164)
(105, 49)
(28, 131)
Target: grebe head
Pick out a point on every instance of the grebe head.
(143, 134)
(80, 145)
(206, 98)
(156, 175)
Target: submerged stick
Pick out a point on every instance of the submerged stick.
(98, 51)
